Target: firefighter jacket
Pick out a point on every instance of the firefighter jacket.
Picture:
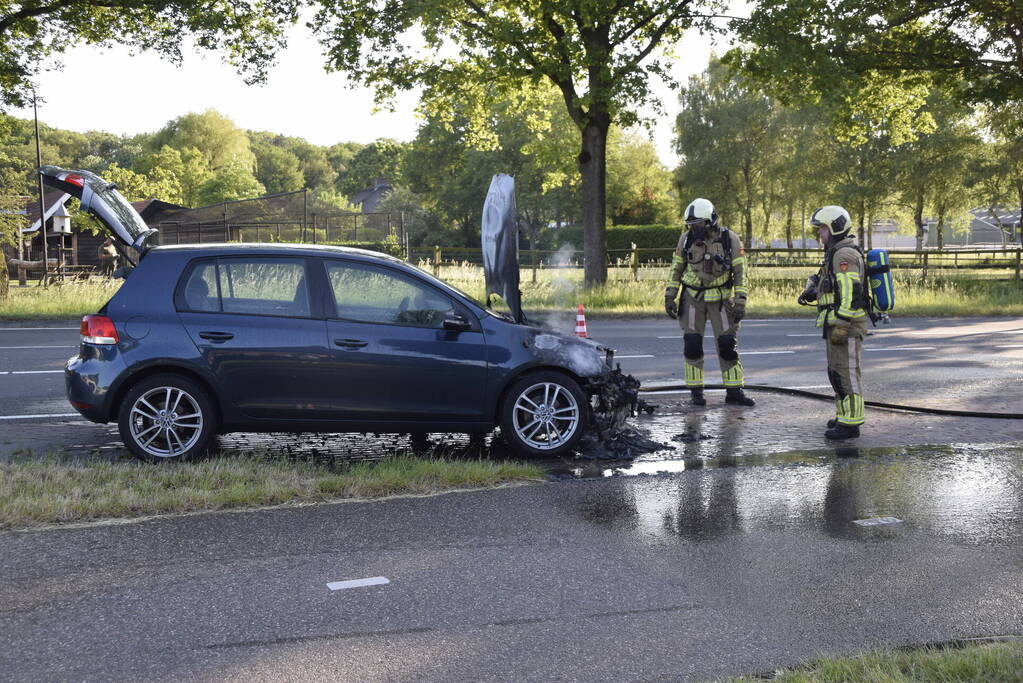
(713, 266)
(841, 299)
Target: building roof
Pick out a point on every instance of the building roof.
(51, 200)
(369, 198)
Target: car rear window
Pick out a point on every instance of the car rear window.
(252, 286)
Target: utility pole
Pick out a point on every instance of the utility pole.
(39, 178)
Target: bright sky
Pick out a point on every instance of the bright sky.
(299, 98)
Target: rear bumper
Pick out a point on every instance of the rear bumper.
(88, 378)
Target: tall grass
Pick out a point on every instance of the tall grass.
(54, 490)
(995, 662)
(69, 300)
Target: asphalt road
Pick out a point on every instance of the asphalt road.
(694, 576)
(973, 364)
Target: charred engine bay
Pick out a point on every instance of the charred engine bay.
(616, 399)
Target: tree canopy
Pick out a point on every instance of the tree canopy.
(247, 32)
(599, 55)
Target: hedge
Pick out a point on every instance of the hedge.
(623, 236)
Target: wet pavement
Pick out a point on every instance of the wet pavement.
(704, 574)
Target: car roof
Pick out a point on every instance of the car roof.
(229, 248)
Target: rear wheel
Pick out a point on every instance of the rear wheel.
(543, 414)
(167, 417)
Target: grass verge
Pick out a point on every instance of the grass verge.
(988, 662)
(70, 300)
(54, 490)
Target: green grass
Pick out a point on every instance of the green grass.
(56, 490)
(994, 662)
(773, 292)
(71, 300)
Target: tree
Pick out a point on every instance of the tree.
(822, 47)
(220, 141)
(724, 134)
(10, 220)
(1006, 125)
(136, 187)
(278, 169)
(638, 185)
(32, 31)
(228, 183)
(379, 159)
(184, 170)
(597, 54)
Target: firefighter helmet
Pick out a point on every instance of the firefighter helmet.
(834, 218)
(701, 209)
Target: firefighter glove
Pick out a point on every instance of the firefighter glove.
(839, 335)
(809, 294)
(738, 310)
(670, 306)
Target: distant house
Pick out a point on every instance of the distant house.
(153, 210)
(368, 200)
(76, 247)
(983, 229)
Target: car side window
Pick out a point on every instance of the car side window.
(200, 291)
(364, 293)
(264, 286)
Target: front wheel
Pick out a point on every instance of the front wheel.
(544, 414)
(167, 417)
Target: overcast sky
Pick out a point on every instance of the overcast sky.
(299, 98)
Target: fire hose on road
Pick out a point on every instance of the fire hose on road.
(827, 397)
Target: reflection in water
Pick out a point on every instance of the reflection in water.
(973, 494)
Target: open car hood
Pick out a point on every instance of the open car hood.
(500, 233)
(103, 201)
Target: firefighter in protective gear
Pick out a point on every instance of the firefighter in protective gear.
(842, 305)
(708, 266)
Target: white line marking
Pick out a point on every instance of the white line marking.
(748, 386)
(762, 353)
(671, 336)
(1009, 332)
(33, 372)
(640, 356)
(358, 583)
(5, 329)
(905, 348)
(806, 334)
(877, 521)
(38, 347)
(33, 417)
(1009, 346)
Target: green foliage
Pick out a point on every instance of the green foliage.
(278, 169)
(247, 32)
(820, 50)
(213, 134)
(638, 185)
(622, 237)
(230, 182)
(380, 159)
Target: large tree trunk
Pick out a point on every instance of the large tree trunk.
(593, 170)
(788, 225)
(5, 278)
(918, 220)
(870, 230)
(747, 207)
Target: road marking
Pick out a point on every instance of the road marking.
(679, 336)
(748, 386)
(806, 334)
(358, 583)
(639, 356)
(33, 417)
(1009, 346)
(761, 353)
(30, 372)
(38, 347)
(877, 521)
(905, 348)
(5, 329)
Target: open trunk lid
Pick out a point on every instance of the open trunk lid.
(102, 200)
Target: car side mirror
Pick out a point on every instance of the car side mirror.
(456, 322)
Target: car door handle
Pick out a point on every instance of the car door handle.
(216, 336)
(350, 343)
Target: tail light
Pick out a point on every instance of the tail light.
(98, 329)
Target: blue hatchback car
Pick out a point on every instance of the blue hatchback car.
(207, 339)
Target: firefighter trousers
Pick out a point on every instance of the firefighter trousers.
(844, 374)
(693, 317)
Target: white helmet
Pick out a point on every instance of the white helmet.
(701, 210)
(835, 218)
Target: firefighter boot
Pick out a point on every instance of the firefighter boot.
(841, 431)
(736, 396)
(698, 399)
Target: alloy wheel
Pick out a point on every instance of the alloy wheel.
(545, 416)
(166, 421)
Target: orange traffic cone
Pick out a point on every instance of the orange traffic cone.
(580, 324)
